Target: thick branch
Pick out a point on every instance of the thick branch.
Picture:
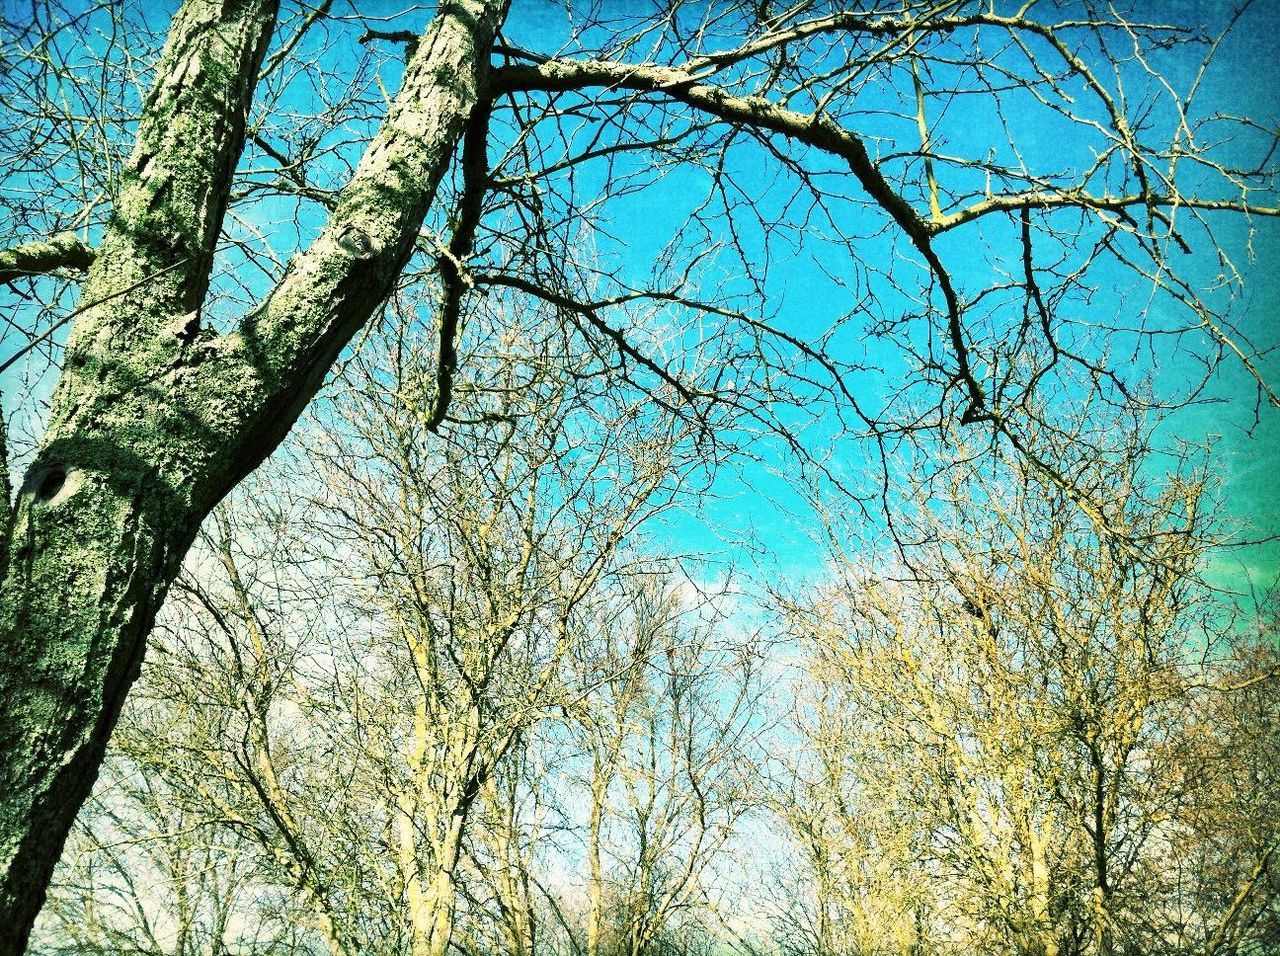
(756, 112)
(407, 37)
(760, 113)
(475, 176)
(63, 251)
(274, 363)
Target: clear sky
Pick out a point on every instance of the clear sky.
(806, 294)
(1242, 81)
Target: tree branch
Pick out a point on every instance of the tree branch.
(277, 359)
(760, 113)
(589, 311)
(63, 251)
(475, 176)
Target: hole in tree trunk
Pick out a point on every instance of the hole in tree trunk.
(51, 483)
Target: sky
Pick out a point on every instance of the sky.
(762, 503)
(757, 500)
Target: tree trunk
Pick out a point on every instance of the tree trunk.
(1046, 933)
(602, 773)
(442, 890)
(1101, 859)
(155, 419)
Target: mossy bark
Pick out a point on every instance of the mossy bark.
(155, 418)
(45, 255)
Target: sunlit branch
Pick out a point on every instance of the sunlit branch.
(63, 251)
(1081, 199)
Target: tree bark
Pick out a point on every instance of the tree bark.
(102, 520)
(155, 418)
(63, 251)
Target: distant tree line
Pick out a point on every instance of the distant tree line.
(428, 697)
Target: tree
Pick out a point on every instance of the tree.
(130, 465)
(176, 381)
(376, 663)
(663, 739)
(152, 866)
(1006, 745)
(1229, 835)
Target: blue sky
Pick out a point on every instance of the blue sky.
(758, 498)
(1242, 81)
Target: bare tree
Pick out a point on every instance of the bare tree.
(152, 866)
(1001, 733)
(189, 355)
(1223, 855)
(375, 663)
(663, 741)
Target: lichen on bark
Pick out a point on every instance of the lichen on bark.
(154, 420)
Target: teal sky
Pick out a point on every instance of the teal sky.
(758, 500)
